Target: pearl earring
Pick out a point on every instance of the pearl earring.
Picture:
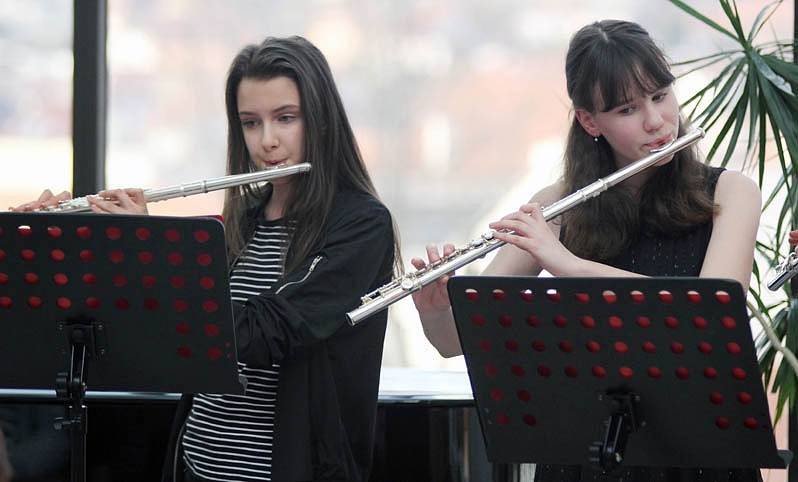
(595, 139)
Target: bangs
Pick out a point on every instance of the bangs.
(625, 73)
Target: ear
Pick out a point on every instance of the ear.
(587, 122)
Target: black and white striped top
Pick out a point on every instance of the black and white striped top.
(230, 437)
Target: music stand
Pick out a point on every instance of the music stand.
(649, 372)
(113, 303)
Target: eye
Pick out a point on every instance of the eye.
(659, 96)
(626, 110)
(286, 118)
(248, 123)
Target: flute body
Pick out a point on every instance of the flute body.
(81, 204)
(399, 288)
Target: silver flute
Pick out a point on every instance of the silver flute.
(785, 271)
(383, 297)
(81, 204)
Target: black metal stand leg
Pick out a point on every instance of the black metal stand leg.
(72, 388)
(609, 453)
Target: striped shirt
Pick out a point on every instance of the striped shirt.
(230, 437)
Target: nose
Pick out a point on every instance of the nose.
(269, 139)
(652, 120)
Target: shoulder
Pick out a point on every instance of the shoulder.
(736, 186)
(549, 194)
(357, 207)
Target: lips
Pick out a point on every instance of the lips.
(273, 164)
(657, 143)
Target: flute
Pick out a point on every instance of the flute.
(81, 204)
(785, 271)
(383, 297)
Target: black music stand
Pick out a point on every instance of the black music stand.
(609, 372)
(113, 303)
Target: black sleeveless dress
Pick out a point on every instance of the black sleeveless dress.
(657, 256)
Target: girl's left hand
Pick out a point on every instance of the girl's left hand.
(532, 234)
(119, 201)
(794, 239)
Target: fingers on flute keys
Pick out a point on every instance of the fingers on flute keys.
(119, 201)
(46, 199)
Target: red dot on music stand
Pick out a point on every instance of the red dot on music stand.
(184, 352)
(553, 295)
(538, 345)
(609, 296)
(705, 347)
(92, 302)
(485, 345)
(183, 328)
(682, 373)
(63, 303)
(113, 233)
(54, 232)
(89, 278)
(177, 281)
(172, 235)
(28, 254)
(524, 395)
(530, 420)
(716, 398)
(116, 256)
(471, 294)
(83, 232)
(544, 371)
(506, 321)
(738, 373)
(151, 304)
(744, 397)
(665, 296)
(722, 297)
(733, 348)
(490, 370)
(201, 236)
(24, 231)
(700, 322)
(671, 322)
(57, 255)
(750, 422)
(502, 419)
(637, 296)
(180, 305)
(3, 278)
(5, 302)
(722, 423)
(2, 255)
(214, 353)
(517, 370)
(211, 329)
(478, 320)
(566, 346)
(210, 306)
(710, 372)
(560, 321)
(143, 234)
(593, 346)
(145, 257)
(497, 395)
(119, 280)
(649, 347)
(582, 298)
(206, 282)
(615, 322)
(511, 345)
(620, 347)
(60, 279)
(31, 278)
(677, 348)
(599, 371)
(527, 295)
(626, 372)
(174, 258)
(86, 255)
(498, 295)
(693, 297)
(122, 304)
(148, 281)
(588, 321)
(34, 301)
(643, 321)
(654, 372)
(532, 320)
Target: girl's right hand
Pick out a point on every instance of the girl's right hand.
(46, 199)
(433, 297)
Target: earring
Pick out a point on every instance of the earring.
(595, 139)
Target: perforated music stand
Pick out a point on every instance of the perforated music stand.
(608, 372)
(113, 303)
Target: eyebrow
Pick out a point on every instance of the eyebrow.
(282, 108)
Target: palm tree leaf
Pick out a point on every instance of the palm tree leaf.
(762, 17)
(696, 14)
(765, 70)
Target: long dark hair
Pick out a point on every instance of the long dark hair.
(329, 145)
(614, 60)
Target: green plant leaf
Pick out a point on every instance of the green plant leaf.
(696, 14)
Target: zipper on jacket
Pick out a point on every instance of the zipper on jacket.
(310, 270)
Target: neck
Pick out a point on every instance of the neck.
(275, 208)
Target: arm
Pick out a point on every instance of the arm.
(310, 304)
(730, 253)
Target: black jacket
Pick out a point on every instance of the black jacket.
(329, 371)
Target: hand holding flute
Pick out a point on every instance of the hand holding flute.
(112, 201)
